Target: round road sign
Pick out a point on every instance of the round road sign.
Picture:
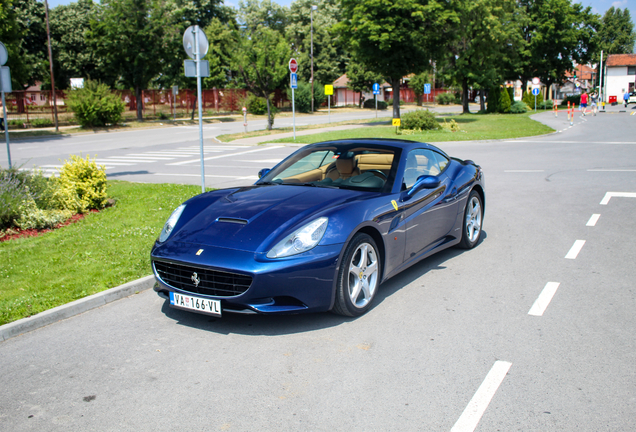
(188, 42)
(4, 54)
(293, 65)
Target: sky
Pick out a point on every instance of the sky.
(598, 6)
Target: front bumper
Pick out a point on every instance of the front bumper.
(301, 283)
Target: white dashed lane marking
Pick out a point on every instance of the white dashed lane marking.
(593, 220)
(469, 419)
(544, 299)
(610, 195)
(575, 249)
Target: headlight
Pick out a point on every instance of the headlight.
(301, 240)
(170, 223)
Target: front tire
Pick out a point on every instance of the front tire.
(358, 277)
(473, 219)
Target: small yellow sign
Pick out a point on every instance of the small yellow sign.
(328, 90)
(396, 122)
(394, 204)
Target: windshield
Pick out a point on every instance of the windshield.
(345, 166)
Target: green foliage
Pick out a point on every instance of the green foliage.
(574, 99)
(256, 105)
(492, 105)
(262, 61)
(547, 104)
(319, 95)
(445, 98)
(32, 217)
(302, 97)
(616, 33)
(420, 120)
(95, 105)
(504, 101)
(28, 58)
(518, 108)
(41, 122)
(87, 180)
(451, 126)
(417, 84)
(370, 103)
(528, 99)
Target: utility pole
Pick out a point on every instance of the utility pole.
(48, 36)
(313, 8)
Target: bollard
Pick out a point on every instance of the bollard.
(556, 109)
(568, 110)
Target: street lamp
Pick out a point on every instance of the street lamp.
(313, 8)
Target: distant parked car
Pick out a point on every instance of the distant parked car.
(632, 97)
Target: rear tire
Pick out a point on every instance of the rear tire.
(358, 277)
(473, 219)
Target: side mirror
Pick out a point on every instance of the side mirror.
(424, 182)
(263, 172)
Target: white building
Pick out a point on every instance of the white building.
(620, 75)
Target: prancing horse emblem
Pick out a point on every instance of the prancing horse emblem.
(195, 279)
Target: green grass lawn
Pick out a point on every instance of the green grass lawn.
(473, 127)
(102, 251)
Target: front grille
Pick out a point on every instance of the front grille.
(212, 282)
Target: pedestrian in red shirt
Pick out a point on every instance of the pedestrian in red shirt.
(584, 103)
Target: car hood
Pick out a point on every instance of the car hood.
(251, 218)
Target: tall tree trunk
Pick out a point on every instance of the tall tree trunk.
(270, 118)
(395, 84)
(465, 109)
(482, 99)
(139, 99)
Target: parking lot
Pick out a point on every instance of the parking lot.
(530, 331)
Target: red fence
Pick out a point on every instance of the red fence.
(26, 107)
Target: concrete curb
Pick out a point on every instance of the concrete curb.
(76, 307)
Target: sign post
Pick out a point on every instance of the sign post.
(5, 86)
(328, 93)
(245, 118)
(427, 91)
(196, 46)
(376, 92)
(293, 78)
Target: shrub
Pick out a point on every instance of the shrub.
(12, 192)
(41, 122)
(302, 97)
(319, 95)
(574, 99)
(419, 120)
(547, 104)
(492, 106)
(256, 105)
(445, 98)
(82, 178)
(450, 126)
(504, 102)
(518, 108)
(95, 105)
(31, 217)
(370, 103)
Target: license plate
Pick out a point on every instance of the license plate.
(210, 307)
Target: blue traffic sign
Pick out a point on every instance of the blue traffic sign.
(294, 80)
(536, 91)
(376, 88)
(427, 89)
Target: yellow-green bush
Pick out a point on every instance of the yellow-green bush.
(87, 180)
(32, 217)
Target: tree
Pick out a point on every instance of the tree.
(483, 40)
(129, 35)
(616, 33)
(262, 60)
(180, 14)
(330, 57)
(558, 33)
(73, 56)
(417, 84)
(393, 37)
(33, 50)
(11, 36)
(254, 13)
(361, 79)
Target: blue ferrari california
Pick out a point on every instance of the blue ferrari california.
(320, 231)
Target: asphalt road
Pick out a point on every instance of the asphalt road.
(461, 334)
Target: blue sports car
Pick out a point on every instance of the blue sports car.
(320, 231)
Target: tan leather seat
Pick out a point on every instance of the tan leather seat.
(345, 168)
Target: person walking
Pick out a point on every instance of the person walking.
(594, 102)
(584, 102)
(626, 97)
